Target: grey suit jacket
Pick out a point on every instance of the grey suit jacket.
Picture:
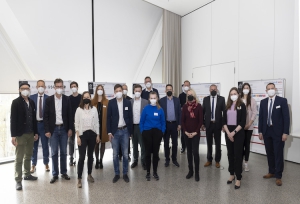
(144, 103)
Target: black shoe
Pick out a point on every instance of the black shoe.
(189, 175)
(156, 176)
(182, 150)
(134, 164)
(126, 179)
(101, 164)
(148, 177)
(197, 178)
(167, 163)
(116, 178)
(237, 187)
(144, 167)
(65, 176)
(54, 178)
(97, 164)
(72, 163)
(19, 186)
(230, 182)
(176, 163)
(30, 178)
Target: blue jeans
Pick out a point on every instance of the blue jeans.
(120, 139)
(45, 145)
(59, 140)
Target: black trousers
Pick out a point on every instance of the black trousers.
(88, 140)
(192, 146)
(182, 138)
(72, 144)
(213, 132)
(248, 135)
(120, 150)
(171, 131)
(152, 139)
(235, 152)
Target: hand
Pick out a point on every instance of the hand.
(203, 128)
(48, 134)
(14, 141)
(110, 137)
(231, 134)
(260, 136)
(36, 137)
(230, 137)
(178, 128)
(98, 139)
(284, 137)
(78, 141)
(70, 133)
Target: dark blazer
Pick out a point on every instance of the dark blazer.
(241, 116)
(50, 114)
(280, 116)
(18, 117)
(144, 103)
(177, 107)
(219, 112)
(182, 98)
(113, 116)
(35, 99)
(145, 94)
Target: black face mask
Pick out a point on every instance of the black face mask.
(213, 93)
(86, 101)
(190, 98)
(169, 93)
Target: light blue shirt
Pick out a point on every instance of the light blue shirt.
(170, 110)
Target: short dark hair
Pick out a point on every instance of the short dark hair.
(40, 81)
(169, 85)
(58, 80)
(147, 77)
(271, 83)
(73, 82)
(137, 86)
(118, 86)
(213, 85)
(187, 81)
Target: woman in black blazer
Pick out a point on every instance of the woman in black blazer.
(234, 121)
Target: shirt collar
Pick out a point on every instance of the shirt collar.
(57, 98)
(170, 99)
(148, 90)
(137, 99)
(41, 95)
(273, 97)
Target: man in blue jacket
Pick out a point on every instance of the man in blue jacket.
(274, 125)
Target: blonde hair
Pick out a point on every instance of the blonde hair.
(154, 93)
(193, 94)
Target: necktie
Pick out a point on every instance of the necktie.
(40, 108)
(270, 113)
(213, 108)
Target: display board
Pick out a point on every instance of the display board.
(108, 88)
(49, 87)
(258, 88)
(159, 86)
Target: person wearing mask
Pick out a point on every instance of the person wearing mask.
(119, 128)
(213, 110)
(87, 131)
(23, 128)
(251, 107)
(172, 109)
(182, 98)
(101, 103)
(75, 100)
(273, 127)
(125, 92)
(58, 123)
(39, 100)
(234, 121)
(152, 127)
(148, 89)
(191, 122)
(138, 105)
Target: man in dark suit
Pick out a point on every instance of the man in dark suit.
(58, 123)
(119, 128)
(213, 110)
(171, 106)
(23, 133)
(274, 125)
(148, 89)
(138, 105)
(39, 99)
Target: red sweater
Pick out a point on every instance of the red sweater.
(192, 124)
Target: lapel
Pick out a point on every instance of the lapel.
(276, 102)
(44, 101)
(210, 103)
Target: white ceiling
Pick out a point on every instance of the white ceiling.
(180, 7)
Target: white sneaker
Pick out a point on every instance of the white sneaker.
(246, 167)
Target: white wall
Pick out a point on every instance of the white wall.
(257, 36)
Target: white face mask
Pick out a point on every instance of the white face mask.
(74, 90)
(119, 95)
(271, 92)
(186, 88)
(148, 85)
(153, 102)
(41, 90)
(125, 92)
(58, 91)
(234, 97)
(137, 94)
(100, 92)
(25, 92)
(246, 91)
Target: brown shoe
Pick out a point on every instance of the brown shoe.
(90, 178)
(269, 176)
(79, 185)
(208, 163)
(278, 182)
(47, 168)
(218, 164)
(32, 170)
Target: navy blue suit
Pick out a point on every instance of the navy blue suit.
(273, 134)
(171, 127)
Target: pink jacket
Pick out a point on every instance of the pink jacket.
(251, 112)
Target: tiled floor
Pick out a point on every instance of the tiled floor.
(172, 187)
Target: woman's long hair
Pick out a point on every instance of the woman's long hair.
(249, 94)
(95, 99)
(194, 94)
(230, 102)
(154, 93)
(81, 104)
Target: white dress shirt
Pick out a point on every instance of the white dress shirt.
(86, 120)
(38, 106)
(121, 117)
(215, 105)
(58, 110)
(269, 103)
(137, 110)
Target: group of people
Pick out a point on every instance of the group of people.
(146, 119)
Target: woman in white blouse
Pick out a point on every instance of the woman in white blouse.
(87, 131)
(251, 115)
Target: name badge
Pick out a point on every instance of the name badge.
(278, 107)
(155, 114)
(126, 108)
(104, 106)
